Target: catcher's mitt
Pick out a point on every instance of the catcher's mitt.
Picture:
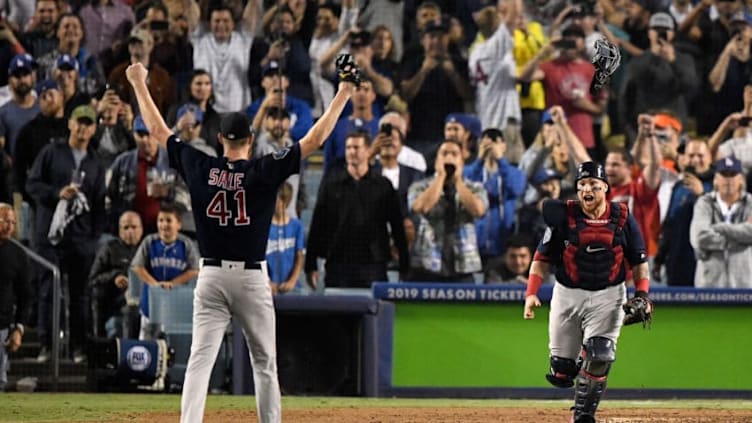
(638, 309)
(347, 70)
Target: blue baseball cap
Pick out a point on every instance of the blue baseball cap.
(139, 125)
(272, 68)
(22, 63)
(66, 62)
(741, 16)
(470, 122)
(198, 114)
(47, 84)
(545, 175)
(729, 165)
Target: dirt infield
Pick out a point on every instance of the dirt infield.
(461, 415)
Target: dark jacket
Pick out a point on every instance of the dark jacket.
(15, 285)
(675, 250)
(52, 170)
(31, 139)
(349, 223)
(112, 260)
(6, 191)
(654, 83)
(121, 189)
(407, 176)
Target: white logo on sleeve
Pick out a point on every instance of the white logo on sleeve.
(590, 249)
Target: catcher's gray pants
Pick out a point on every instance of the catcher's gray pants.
(221, 293)
(577, 315)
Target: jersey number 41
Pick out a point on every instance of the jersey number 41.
(217, 209)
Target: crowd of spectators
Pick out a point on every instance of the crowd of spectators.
(470, 114)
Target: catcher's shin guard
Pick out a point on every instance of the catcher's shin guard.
(597, 356)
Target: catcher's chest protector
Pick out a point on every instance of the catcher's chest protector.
(594, 253)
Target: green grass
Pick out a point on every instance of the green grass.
(41, 407)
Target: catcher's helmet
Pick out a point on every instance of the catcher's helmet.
(591, 170)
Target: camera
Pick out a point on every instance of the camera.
(159, 25)
(386, 128)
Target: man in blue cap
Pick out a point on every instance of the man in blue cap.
(23, 105)
(66, 72)
(465, 129)
(276, 82)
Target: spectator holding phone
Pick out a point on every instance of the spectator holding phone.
(447, 204)
(695, 180)
(567, 82)
(661, 78)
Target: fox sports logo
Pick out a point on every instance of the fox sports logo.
(139, 358)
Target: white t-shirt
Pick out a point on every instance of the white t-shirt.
(391, 174)
(741, 148)
(227, 63)
(493, 71)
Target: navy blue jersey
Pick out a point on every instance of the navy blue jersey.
(556, 238)
(233, 202)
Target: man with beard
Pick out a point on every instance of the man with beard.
(695, 179)
(636, 182)
(590, 243)
(274, 136)
(23, 105)
(46, 127)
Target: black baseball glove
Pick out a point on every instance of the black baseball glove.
(638, 309)
(347, 70)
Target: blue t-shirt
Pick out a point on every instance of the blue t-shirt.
(284, 242)
(12, 119)
(163, 261)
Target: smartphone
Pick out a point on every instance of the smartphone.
(744, 121)
(386, 128)
(662, 34)
(690, 170)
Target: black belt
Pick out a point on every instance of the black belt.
(248, 265)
